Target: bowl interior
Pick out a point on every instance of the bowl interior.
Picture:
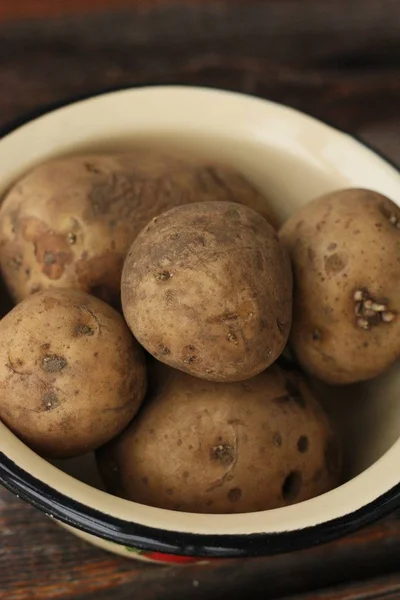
(291, 158)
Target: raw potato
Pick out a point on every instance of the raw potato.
(207, 289)
(71, 375)
(69, 223)
(345, 251)
(209, 447)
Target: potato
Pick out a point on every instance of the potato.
(345, 251)
(207, 289)
(206, 447)
(71, 375)
(69, 223)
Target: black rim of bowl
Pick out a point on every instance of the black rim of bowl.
(143, 537)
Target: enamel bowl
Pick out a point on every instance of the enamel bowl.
(292, 158)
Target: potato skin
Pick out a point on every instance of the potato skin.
(206, 447)
(69, 223)
(345, 245)
(71, 374)
(207, 289)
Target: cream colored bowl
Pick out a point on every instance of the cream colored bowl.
(293, 158)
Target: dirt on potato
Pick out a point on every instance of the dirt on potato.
(206, 447)
(345, 252)
(71, 374)
(69, 222)
(207, 289)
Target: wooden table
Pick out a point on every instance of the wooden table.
(338, 60)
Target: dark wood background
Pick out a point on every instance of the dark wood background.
(338, 60)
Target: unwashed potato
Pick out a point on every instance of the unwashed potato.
(345, 251)
(207, 289)
(71, 375)
(206, 447)
(70, 222)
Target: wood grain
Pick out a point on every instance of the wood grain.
(13, 9)
(335, 59)
(387, 587)
(339, 61)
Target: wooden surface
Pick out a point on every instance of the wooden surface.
(338, 60)
(12, 9)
